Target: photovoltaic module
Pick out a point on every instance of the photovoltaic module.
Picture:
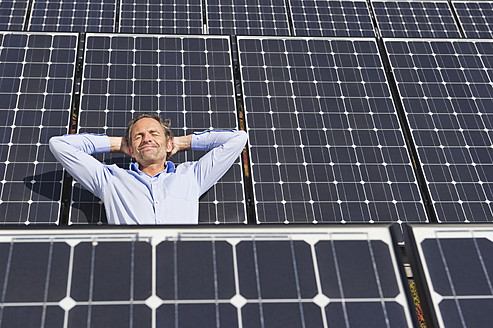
(187, 79)
(325, 141)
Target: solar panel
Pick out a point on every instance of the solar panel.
(73, 15)
(202, 278)
(415, 19)
(247, 17)
(13, 14)
(154, 16)
(331, 18)
(456, 268)
(447, 93)
(36, 81)
(325, 141)
(475, 18)
(186, 79)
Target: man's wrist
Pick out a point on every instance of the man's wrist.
(183, 143)
(115, 144)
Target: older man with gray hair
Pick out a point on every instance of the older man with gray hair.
(153, 190)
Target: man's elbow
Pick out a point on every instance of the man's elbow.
(58, 145)
(53, 143)
(242, 138)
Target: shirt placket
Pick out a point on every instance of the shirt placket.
(157, 196)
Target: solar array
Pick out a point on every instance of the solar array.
(73, 15)
(456, 267)
(247, 17)
(13, 15)
(325, 141)
(187, 79)
(447, 93)
(331, 18)
(328, 139)
(350, 18)
(159, 17)
(357, 111)
(37, 76)
(188, 278)
(415, 19)
(476, 18)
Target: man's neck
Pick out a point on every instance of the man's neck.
(152, 169)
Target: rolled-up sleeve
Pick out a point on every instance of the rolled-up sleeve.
(74, 151)
(224, 147)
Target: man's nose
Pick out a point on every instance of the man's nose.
(147, 137)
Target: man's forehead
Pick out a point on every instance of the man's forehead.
(147, 123)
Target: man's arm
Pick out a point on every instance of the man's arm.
(74, 151)
(224, 148)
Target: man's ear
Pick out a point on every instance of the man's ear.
(131, 152)
(169, 145)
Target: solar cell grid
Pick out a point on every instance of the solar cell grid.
(153, 16)
(37, 72)
(73, 15)
(248, 278)
(186, 79)
(475, 17)
(13, 14)
(458, 271)
(247, 17)
(325, 141)
(415, 19)
(446, 87)
(331, 18)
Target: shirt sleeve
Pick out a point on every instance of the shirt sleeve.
(223, 148)
(74, 151)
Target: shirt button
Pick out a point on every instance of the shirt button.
(157, 202)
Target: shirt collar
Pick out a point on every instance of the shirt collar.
(170, 168)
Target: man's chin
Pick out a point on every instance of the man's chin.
(152, 156)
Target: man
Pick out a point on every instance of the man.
(153, 190)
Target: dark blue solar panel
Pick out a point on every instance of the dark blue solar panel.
(331, 18)
(446, 87)
(186, 79)
(415, 19)
(36, 81)
(458, 270)
(13, 14)
(155, 16)
(325, 141)
(476, 18)
(247, 17)
(178, 278)
(73, 15)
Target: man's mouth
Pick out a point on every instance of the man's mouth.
(147, 147)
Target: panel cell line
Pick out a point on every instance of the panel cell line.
(331, 18)
(73, 16)
(13, 14)
(188, 79)
(415, 19)
(476, 18)
(161, 17)
(36, 82)
(456, 268)
(250, 278)
(447, 91)
(247, 17)
(325, 141)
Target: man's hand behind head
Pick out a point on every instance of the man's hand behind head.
(118, 144)
(181, 144)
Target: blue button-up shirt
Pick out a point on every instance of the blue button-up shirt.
(134, 197)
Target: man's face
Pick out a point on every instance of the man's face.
(148, 142)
